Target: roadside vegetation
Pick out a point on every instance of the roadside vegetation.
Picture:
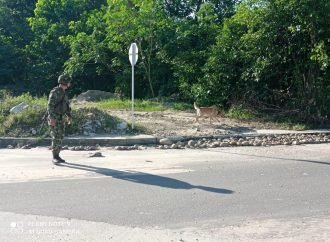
(254, 58)
(31, 121)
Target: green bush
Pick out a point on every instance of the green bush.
(239, 112)
(8, 101)
(182, 106)
(21, 124)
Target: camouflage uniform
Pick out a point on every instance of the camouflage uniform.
(58, 109)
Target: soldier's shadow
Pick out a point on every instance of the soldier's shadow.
(145, 178)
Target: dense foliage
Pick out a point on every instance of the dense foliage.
(272, 55)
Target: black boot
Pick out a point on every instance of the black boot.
(57, 159)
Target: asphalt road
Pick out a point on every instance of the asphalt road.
(226, 194)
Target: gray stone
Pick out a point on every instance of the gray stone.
(96, 154)
(165, 141)
(224, 144)
(192, 142)
(94, 95)
(33, 131)
(122, 125)
(19, 108)
(245, 143)
(174, 146)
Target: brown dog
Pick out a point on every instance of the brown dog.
(211, 112)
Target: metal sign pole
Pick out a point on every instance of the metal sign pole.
(133, 57)
(132, 96)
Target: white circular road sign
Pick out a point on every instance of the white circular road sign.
(133, 53)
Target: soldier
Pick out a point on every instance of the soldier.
(59, 113)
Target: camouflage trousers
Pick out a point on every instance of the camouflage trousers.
(57, 134)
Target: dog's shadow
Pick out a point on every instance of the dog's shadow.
(145, 178)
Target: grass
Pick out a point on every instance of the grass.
(139, 105)
(182, 106)
(17, 124)
(239, 112)
(7, 101)
(288, 123)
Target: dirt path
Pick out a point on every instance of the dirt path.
(169, 123)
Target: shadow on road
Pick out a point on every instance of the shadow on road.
(275, 158)
(145, 178)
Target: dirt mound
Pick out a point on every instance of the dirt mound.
(94, 95)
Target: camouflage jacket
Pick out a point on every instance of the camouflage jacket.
(58, 103)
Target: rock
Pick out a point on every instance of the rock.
(99, 124)
(122, 125)
(77, 148)
(233, 143)
(192, 143)
(33, 131)
(257, 143)
(213, 145)
(19, 108)
(25, 147)
(224, 144)
(175, 139)
(180, 143)
(245, 143)
(94, 95)
(174, 146)
(165, 141)
(96, 154)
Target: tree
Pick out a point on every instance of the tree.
(142, 22)
(279, 54)
(188, 9)
(90, 57)
(15, 34)
(49, 25)
(191, 48)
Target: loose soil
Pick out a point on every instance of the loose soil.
(173, 123)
